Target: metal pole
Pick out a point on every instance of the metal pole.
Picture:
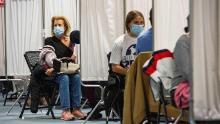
(77, 7)
(191, 115)
(6, 70)
(153, 37)
(80, 28)
(125, 8)
(43, 19)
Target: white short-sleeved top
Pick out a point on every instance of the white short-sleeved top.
(124, 50)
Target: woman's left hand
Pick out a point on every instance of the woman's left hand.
(49, 72)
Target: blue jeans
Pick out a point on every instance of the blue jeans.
(70, 90)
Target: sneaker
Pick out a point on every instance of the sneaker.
(66, 116)
(78, 114)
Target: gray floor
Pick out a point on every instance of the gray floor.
(40, 117)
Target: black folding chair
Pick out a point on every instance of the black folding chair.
(114, 93)
(7, 89)
(163, 102)
(106, 98)
(32, 58)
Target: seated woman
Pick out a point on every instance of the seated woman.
(123, 53)
(123, 50)
(69, 84)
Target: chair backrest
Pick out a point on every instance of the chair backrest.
(32, 58)
(6, 86)
(109, 65)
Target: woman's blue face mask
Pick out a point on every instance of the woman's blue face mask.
(58, 31)
(137, 29)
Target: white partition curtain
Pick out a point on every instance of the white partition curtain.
(143, 6)
(206, 59)
(102, 21)
(23, 24)
(2, 42)
(67, 8)
(169, 22)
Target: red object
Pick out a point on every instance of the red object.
(2, 3)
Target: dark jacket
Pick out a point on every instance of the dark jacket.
(39, 86)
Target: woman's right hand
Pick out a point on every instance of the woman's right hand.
(49, 72)
(73, 58)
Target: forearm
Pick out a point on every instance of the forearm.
(119, 69)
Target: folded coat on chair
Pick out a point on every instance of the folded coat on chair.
(162, 67)
(138, 98)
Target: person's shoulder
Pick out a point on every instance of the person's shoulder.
(184, 38)
(120, 39)
(48, 41)
(146, 33)
(183, 41)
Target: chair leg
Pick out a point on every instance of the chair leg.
(93, 110)
(178, 118)
(165, 113)
(57, 100)
(108, 109)
(6, 97)
(84, 104)
(17, 100)
(25, 103)
(164, 104)
(107, 118)
(115, 113)
(158, 113)
(49, 108)
(51, 103)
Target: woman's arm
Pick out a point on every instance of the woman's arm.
(183, 58)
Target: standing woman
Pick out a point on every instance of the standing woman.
(123, 51)
(69, 84)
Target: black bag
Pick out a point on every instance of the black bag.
(38, 83)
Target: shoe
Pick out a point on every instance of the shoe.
(66, 116)
(78, 114)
